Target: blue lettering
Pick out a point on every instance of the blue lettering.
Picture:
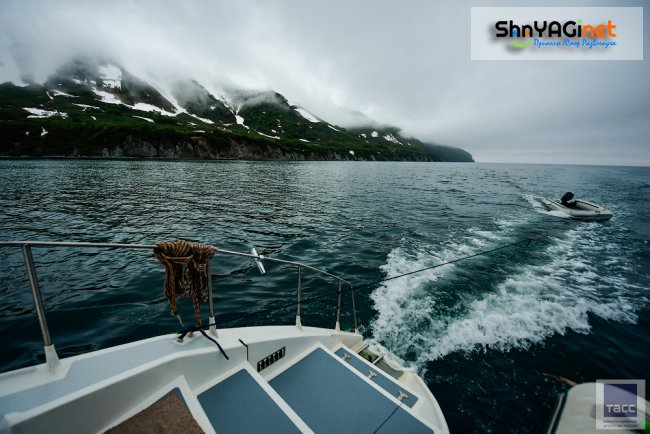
(569, 43)
(539, 43)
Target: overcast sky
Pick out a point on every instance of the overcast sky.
(405, 63)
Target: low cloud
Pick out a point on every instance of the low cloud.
(405, 64)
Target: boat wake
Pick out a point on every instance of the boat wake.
(423, 317)
(536, 202)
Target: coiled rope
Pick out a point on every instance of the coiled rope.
(173, 255)
(201, 255)
(185, 273)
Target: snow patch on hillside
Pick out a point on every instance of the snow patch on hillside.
(392, 138)
(204, 120)
(111, 76)
(168, 96)
(106, 97)
(86, 106)
(143, 106)
(266, 135)
(240, 121)
(146, 119)
(225, 101)
(37, 113)
(83, 82)
(305, 114)
(59, 93)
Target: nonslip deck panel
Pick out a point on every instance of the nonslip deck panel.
(379, 377)
(239, 404)
(330, 398)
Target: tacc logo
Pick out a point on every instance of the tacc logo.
(620, 404)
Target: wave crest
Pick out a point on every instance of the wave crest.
(418, 322)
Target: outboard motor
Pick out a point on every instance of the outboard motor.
(566, 198)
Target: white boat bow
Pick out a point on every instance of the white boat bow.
(286, 379)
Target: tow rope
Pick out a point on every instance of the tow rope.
(165, 252)
(372, 284)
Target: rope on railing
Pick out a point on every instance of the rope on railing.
(175, 256)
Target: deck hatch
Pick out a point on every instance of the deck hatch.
(239, 404)
(330, 397)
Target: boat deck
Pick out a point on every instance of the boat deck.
(249, 379)
(276, 379)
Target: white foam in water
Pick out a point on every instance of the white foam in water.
(536, 202)
(531, 304)
(558, 214)
(406, 304)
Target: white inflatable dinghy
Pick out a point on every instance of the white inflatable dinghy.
(578, 209)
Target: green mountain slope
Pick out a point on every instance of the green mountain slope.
(100, 110)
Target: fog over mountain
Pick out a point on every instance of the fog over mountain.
(403, 64)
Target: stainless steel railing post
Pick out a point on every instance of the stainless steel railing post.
(51, 356)
(211, 320)
(354, 310)
(338, 310)
(50, 353)
(298, 323)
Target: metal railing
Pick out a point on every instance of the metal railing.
(50, 352)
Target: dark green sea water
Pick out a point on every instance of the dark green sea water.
(481, 332)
